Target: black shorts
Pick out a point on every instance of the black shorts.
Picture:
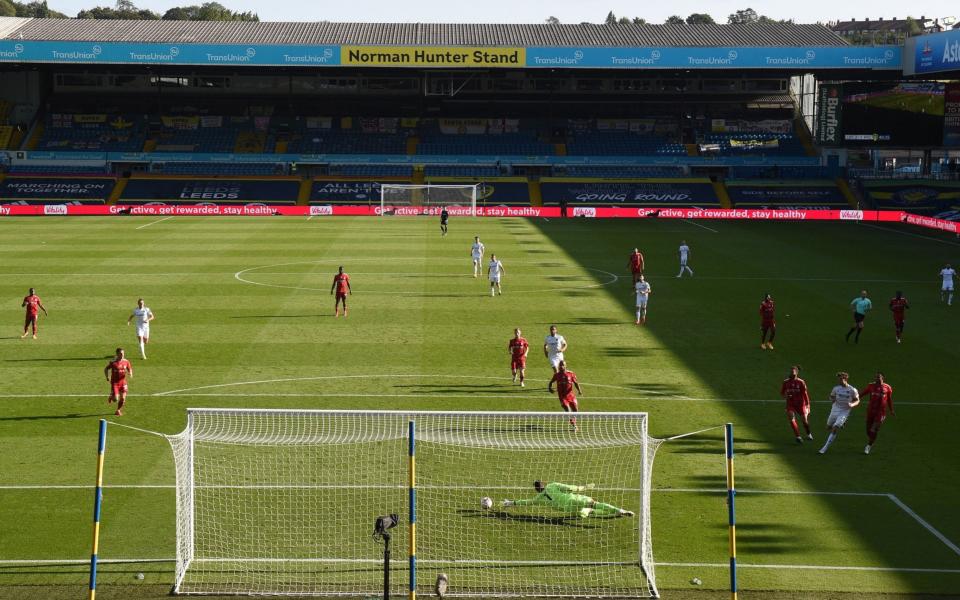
(858, 318)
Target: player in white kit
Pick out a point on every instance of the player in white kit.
(946, 290)
(494, 271)
(143, 316)
(684, 253)
(845, 398)
(554, 345)
(643, 290)
(476, 253)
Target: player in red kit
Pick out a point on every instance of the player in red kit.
(341, 283)
(768, 322)
(636, 264)
(518, 348)
(33, 305)
(881, 398)
(116, 373)
(566, 382)
(899, 306)
(794, 391)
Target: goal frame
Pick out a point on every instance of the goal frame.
(185, 547)
(426, 209)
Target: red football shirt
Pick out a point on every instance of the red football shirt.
(518, 346)
(33, 304)
(898, 306)
(565, 381)
(767, 310)
(794, 389)
(118, 370)
(636, 260)
(881, 397)
(341, 280)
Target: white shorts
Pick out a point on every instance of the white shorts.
(947, 287)
(476, 258)
(143, 332)
(555, 360)
(642, 301)
(494, 279)
(838, 417)
(683, 262)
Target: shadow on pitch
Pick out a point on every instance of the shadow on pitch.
(585, 320)
(77, 358)
(52, 417)
(558, 521)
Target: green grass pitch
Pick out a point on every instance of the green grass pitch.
(245, 300)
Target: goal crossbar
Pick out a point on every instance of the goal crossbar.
(429, 198)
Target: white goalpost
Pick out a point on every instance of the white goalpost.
(459, 199)
(283, 502)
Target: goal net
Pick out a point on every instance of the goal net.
(460, 200)
(275, 502)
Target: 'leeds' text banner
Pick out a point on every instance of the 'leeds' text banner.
(789, 58)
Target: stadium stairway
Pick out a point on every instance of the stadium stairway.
(804, 136)
(412, 143)
(36, 134)
(114, 196)
(303, 196)
(533, 189)
(419, 175)
(692, 150)
(847, 192)
(721, 191)
(560, 149)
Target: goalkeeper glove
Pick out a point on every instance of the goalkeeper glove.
(508, 502)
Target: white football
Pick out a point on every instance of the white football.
(486, 503)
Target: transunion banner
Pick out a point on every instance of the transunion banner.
(789, 58)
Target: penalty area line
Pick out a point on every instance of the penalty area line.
(923, 523)
(154, 222)
(700, 226)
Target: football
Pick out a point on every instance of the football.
(486, 503)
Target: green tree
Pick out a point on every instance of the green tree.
(700, 19)
(38, 10)
(124, 9)
(743, 17)
(639, 21)
(551, 20)
(674, 20)
(611, 19)
(913, 28)
(7, 8)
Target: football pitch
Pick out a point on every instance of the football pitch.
(244, 318)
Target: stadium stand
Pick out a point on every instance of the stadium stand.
(461, 171)
(618, 143)
(484, 144)
(347, 141)
(214, 169)
(404, 171)
(56, 169)
(754, 142)
(92, 132)
(617, 172)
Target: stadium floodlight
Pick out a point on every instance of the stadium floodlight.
(428, 199)
(279, 502)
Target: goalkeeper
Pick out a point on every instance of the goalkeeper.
(568, 499)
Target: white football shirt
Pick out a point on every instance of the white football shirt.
(643, 288)
(684, 251)
(842, 396)
(477, 249)
(141, 316)
(947, 275)
(554, 343)
(495, 268)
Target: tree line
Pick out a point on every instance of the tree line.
(746, 16)
(126, 9)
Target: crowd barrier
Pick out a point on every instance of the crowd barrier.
(755, 214)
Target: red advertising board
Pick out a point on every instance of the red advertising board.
(260, 210)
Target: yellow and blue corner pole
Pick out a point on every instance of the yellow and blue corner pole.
(97, 501)
(731, 498)
(413, 510)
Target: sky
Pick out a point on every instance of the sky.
(535, 11)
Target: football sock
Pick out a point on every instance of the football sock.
(830, 439)
(872, 437)
(856, 338)
(793, 425)
(143, 351)
(604, 509)
(807, 427)
(852, 329)
(638, 315)
(949, 298)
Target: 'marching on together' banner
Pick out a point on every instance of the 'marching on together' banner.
(634, 192)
